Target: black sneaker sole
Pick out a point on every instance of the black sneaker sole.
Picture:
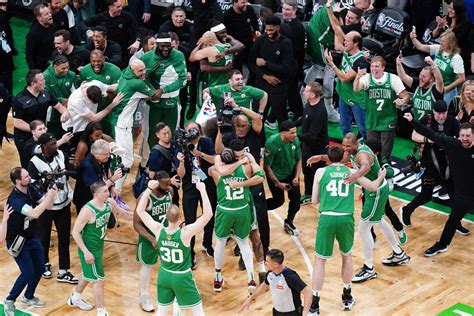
(435, 253)
(401, 218)
(348, 308)
(394, 264)
(46, 276)
(67, 281)
(463, 233)
(363, 280)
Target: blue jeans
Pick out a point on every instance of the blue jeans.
(345, 112)
(449, 96)
(31, 263)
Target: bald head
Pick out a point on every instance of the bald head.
(173, 214)
(138, 68)
(351, 137)
(209, 38)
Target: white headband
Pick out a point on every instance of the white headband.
(218, 28)
(163, 40)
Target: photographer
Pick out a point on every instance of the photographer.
(22, 222)
(165, 156)
(460, 154)
(434, 161)
(199, 156)
(246, 128)
(95, 167)
(52, 167)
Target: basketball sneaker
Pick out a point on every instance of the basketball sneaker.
(102, 312)
(146, 304)
(67, 277)
(436, 248)
(83, 305)
(364, 274)
(305, 200)
(314, 309)
(252, 286)
(347, 299)
(402, 236)
(208, 250)
(290, 229)
(9, 307)
(396, 259)
(462, 230)
(218, 284)
(405, 217)
(47, 271)
(35, 302)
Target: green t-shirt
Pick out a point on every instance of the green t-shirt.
(93, 234)
(110, 74)
(229, 198)
(60, 87)
(218, 78)
(334, 194)
(174, 255)
(381, 113)
(243, 97)
(282, 156)
(345, 89)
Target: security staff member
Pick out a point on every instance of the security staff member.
(22, 222)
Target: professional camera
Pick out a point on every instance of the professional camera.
(226, 114)
(183, 138)
(47, 180)
(413, 165)
(122, 167)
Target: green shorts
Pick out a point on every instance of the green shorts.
(146, 253)
(232, 221)
(332, 227)
(165, 110)
(374, 204)
(180, 285)
(95, 271)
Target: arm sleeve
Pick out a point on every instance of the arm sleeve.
(30, 50)
(17, 109)
(415, 84)
(434, 49)
(87, 172)
(294, 281)
(146, 6)
(360, 63)
(269, 153)
(364, 82)
(458, 64)
(443, 141)
(208, 147)
(314, 129)
(156, 160)
(256, 93)
(180, 68)
(397, 84)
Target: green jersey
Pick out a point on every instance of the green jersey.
(134, 89)
(345, 89)
(218, 78)
(229, 198)
(334, 194)
(320, 36)
(241, 97)
(93, 233)
(158, 206)
(60, 87)
(168, 74)
(374, 169)
(282, 156)
(423, 102)
(174, 255)
(381, 113)
(110, 74)
(444, 65)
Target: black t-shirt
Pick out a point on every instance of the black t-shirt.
(184, 33)
(79, 56)
(314, 130)
(19, 224)
(241, 26)
(27, 107)
(39, 46)
(158, 161)
(436, 94)
(206, 146)
(61, 20)
(251, 142)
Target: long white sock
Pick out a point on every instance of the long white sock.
(261, 267)
(197, 310)
(219, 253)
(247, 256)
(387, 231)
(367, 242)
(162, 310)
(144, 279)
(176, 308)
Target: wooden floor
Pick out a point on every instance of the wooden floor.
(425, 286)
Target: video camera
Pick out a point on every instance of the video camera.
(414, 165)
(46, 180)
(183, 139)
(226, 114)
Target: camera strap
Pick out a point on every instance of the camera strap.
(164, 151)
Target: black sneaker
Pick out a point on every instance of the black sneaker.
(405, 217)
(314, 309)
(462, 230)
(364, 274)
(208, 250)
(241, 264)
(47, 271)
(67, 278)
(433, 250)
(290, 229)
(236, 251)
(347, 300)
(396, 259)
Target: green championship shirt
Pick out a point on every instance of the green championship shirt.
(174, 255)
(334, 194)
(232, 199)
(242, 97)
(282, 156)
(168, 74)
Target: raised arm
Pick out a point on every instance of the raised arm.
(407, 80)
(418, 45)
(224, 169)
(146, 218)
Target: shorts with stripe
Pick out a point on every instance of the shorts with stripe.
(146, 253)
(373, 208)
(95, 271)
(236, 221)
(331, 227)
(180, 285)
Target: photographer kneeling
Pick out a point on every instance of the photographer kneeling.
(247, 127)
(52, 167)
(433, 160)
(199, 155)
(22, 240)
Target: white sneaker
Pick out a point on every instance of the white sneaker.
(102, 312)
(146, 304)
(81, 304)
